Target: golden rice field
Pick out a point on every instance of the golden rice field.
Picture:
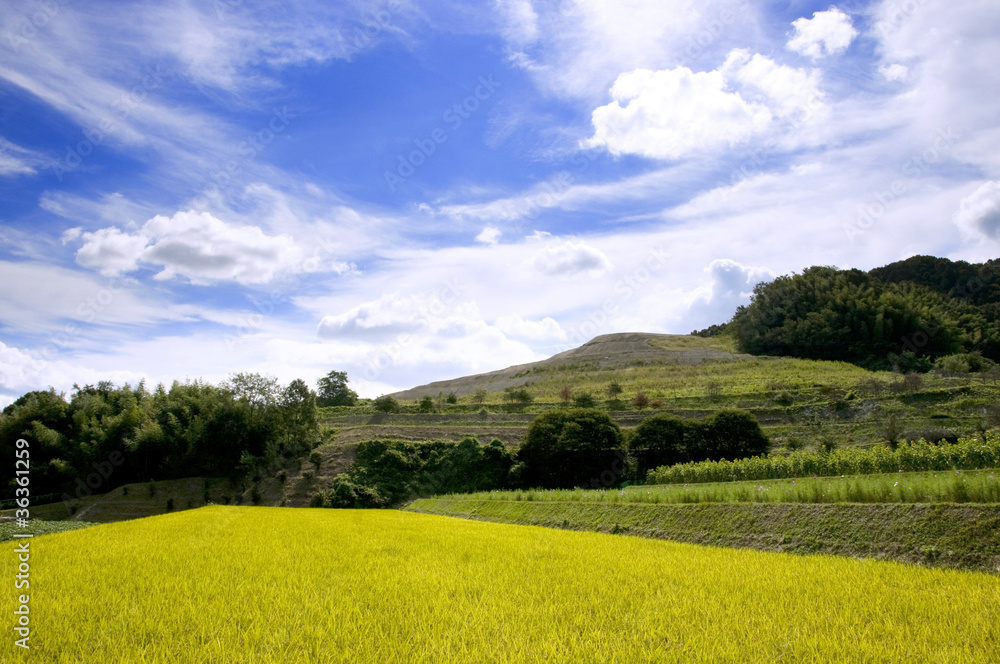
(261, 584)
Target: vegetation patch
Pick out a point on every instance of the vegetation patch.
(967, 454)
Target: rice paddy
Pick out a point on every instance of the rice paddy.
(255, 584)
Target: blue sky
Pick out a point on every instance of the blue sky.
(411, 191)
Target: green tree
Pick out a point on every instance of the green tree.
(333, 390)
(658, 441)
(567, 448)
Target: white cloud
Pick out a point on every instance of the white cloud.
(978, 214)
(109, 250)
(826, 33)
(198, 247)
(894, 71)
(578, 47)
(520, 22)
(671, 113)
(489, 235)
(569, 258)
(15, 160)
(788, 92)
(674, 113)
(537, 330)
(730, 285)
(390, 315)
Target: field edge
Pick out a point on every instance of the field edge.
(953, 536)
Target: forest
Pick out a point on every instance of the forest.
(905, 316)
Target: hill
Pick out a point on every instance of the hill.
(605, 352)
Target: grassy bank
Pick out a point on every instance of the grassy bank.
(943, 535)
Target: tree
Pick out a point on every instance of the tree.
(584, 400)
(567, 448)
(640, 400)
(614, 391)
(426, 404)
(333, 391)
(517, 397)
(728, 434)
(658, 441)
(566, 393)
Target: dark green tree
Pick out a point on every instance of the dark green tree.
(567, 448)
(333, 391)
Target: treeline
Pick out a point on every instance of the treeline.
(903, 316)
(106, 436)
(580, 447)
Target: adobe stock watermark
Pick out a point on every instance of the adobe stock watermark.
(900, 13)
(87, 311)
(388, 355)
(626, 287)
(922, 337)
(95, 135)
(22, 579)
(251, 323)
(28, 28)
(97, 479)
(246, 151)
(708, 33)
(454, 117)
(914, 168)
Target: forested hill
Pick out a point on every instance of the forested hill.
(979, 283)
(906, 315)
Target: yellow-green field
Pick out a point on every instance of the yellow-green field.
(244, 584)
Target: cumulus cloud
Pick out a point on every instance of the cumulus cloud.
(196, 246)
(568, 258)
(390, 315)
(109, 250)
(730, 285)
(668, 114)
(788, 92)
(826, 33)
(673, 113)
(489, 235)
(535, 330)
(979, 213)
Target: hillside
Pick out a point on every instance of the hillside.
(602, 353)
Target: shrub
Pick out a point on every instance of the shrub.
(316, 458)
(170, 504)
(426, 404)
(386, 404)
(584, 400)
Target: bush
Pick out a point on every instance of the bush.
(584, 400)
(426, 404)
(386, 404)
(580, 447)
